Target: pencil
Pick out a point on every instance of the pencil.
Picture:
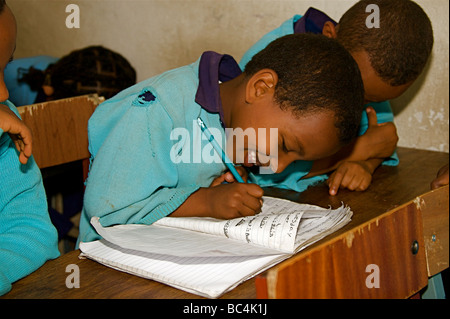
(228, 163)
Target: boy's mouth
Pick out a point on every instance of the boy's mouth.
(255, 160)
(251, 159)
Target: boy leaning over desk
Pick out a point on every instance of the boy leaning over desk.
(144, 169)
(390, 57)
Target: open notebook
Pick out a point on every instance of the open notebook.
(208, 256)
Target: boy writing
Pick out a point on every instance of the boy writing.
(143, 168)
(27, 237)
(390, 58)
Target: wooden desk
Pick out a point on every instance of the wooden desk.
(382, 230)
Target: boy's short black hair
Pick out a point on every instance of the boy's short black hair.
(2, 5)
(399, 48)
(315, 73)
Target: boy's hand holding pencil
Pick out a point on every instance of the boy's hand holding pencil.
(228, 177)
(223, 201)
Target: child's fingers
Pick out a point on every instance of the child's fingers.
(248, 211)
(23, 149)
(23, 159)
(242, 172)
(354, 183)
(27, 141)
(254, 190)
(334, 182)
(218, 180)
(228, 177)
(254, 204)
(371, 116)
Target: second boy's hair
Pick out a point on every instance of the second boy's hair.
(399, 48)
(315, 73)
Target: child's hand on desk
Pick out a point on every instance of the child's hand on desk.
(18, 131)
(355, 176)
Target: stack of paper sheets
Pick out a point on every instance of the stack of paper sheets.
(208, 256)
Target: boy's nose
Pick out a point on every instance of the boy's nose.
(279, 164)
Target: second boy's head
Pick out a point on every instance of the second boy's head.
(392, 56)
(306, 86)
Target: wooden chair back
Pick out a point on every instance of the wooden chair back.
(60, 129)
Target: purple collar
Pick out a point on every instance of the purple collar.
(313, 22)
(213, 68)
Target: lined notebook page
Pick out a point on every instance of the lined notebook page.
(176, 242)
(209, 276)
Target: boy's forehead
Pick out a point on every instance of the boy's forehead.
(314, 134)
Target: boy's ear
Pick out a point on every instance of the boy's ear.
(261, 83)
(330, 30)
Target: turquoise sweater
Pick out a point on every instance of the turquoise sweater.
(143, 142)
(27, 236)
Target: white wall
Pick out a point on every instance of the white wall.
(157, 35)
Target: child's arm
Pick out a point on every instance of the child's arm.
(18, 131)
(224, 201)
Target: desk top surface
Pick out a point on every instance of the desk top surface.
(391, 187)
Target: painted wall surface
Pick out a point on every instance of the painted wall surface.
(157, 35)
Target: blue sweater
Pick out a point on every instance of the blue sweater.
(143, 142)
(291, 177)
(27, 236)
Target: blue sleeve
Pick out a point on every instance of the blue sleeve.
(133, 179)
(286, 28)
(291, 178)
(27, 236)
(384, 114)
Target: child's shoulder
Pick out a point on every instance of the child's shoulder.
(167, 83)
(170, 95)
